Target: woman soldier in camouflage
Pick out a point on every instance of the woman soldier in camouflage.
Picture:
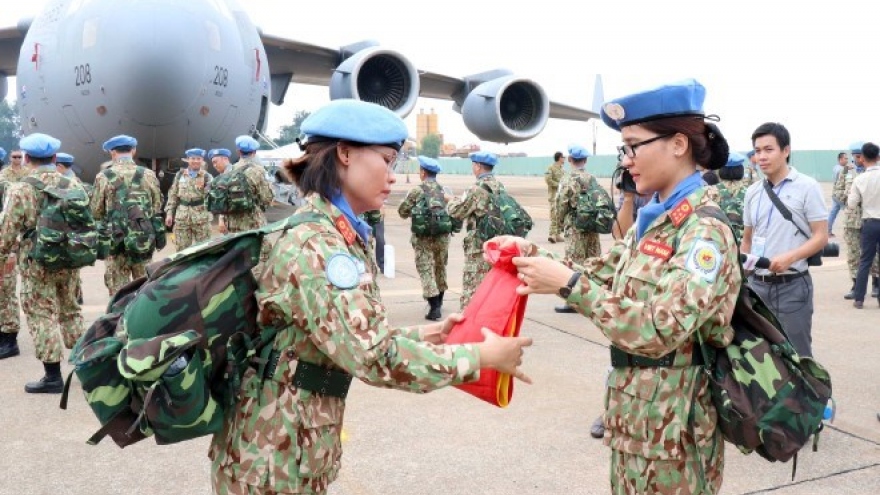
(319, 288)
(673, 276)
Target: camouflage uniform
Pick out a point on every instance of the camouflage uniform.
(10, 320)
(432, 253)
(186, 202)
(281, 439)
(731, 197)
(852, 226)
(473, 204)
(263, 195)
(552, 177)
(48, 296)
(578, 245)
(650, 297)
(119, 269)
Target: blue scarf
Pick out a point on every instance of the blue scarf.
(655, 208)
(192, 173)
(363, 230)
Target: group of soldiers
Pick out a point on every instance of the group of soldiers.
(52, 298)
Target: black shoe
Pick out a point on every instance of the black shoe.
(565, 308)
(875, 292)
(858, 304)
(8, 345)
(434, 313)
(440, 299)
(46, 385)
(598, 428)
(850, 295)
(552, 239)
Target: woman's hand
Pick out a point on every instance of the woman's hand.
(541, 275)
(503, 354)
(436, 333)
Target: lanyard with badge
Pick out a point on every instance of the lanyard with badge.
(759, 243)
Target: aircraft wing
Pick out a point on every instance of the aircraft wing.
(11, 39)
(309, 64)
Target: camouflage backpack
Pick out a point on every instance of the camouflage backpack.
(429, 215)
(505, 216)
(231, 192)
(769, 399)
(65, 235)
(594, 211)
(372, 217)
(132, 228)
(167, 358)
(731, 203)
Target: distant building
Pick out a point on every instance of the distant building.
(427, 123)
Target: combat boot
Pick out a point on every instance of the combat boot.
(875, 291)
(8, 345)
(434, 312)
(440, 299)
(51, 383)
(565, 308)
(852, 292)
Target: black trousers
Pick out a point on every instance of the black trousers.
(379, 231)
(870, 240)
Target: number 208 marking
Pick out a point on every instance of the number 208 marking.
(221, 76)
(83, 74)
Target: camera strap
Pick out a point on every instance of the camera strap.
(783, 210)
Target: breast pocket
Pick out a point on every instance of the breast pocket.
(640, 277)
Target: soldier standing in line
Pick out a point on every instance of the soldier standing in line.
(64, 164)
(185, 209)
(552, 177)
(220, 160)
(750, 174)
(732, 191)
(432, 252)
(121, 268)
(852, 222)
(578, 245)
(48, 295)
(473, 204)
(261, 193)
(10, 320)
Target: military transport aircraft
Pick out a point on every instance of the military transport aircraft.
(90, 69)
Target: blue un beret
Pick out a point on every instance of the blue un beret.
(246, 144)
(578, 152)
(118, 141)
(734, 159)
(484, 157)
(356, 121)
(856, 147)
(750, 153)
(2, 153)
(64, 159)
(430, 164)
(219, 152)
(194, 152)
(670, 100)
(39, 145)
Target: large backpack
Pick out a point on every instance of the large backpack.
(65, 234)
(167, 358)
(594, 211)
(134, 231)
(769, 399)
(231, 193)
(505, 216)
(429, 215)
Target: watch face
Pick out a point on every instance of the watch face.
(565, 291)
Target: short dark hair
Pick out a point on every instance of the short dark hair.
(870, 151)
(842, 154)
(696, 132)
(428, 173)
(736, 172)
(123, 149)
(557, 156)
(42, 160)
(777, 130)
(315, 171)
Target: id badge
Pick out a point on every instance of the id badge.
(758, 245)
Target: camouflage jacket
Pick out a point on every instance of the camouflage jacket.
(552, 176)
(290, 438)
(569, 192)
(262, 194)
(731, 198)
(853, 218)
(473, 204)
(184, 192)
(649, 297)
(104, 194)
(14, 174)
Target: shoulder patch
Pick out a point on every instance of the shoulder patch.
(704, 259)
(681, 211)
(342, 271)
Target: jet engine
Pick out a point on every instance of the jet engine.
(378, 76)
(506, 109)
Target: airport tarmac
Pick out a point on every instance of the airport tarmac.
(448, 442)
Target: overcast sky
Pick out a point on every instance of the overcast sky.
(808, 65)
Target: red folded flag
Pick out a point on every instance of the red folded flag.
(496, 306)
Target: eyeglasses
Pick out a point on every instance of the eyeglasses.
(391, 159)
(16, 156)
(630, 149)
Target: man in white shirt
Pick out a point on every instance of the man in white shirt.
(865, 193)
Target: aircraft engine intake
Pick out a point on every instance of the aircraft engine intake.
(506, 109)
(378, 76)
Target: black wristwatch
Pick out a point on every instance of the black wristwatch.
(565, 290)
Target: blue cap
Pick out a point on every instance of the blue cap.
(734, 159)
(39, 145)
(670, 100)
(484, 157)
(750, 153)
(2, 153)
(246, 144)
(221, 152)
(119, 141)
(357, 121)
(64, 159)
(195, 152)
(430, 164)
(578, 152)
(856, 147)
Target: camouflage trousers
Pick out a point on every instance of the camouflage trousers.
(432, 253)
(853, 239)
(636, 475)
(10, 321)
(554, 223)
(119, 270)
(50, 308)
(186, 234)
(225, 485)
(579, 246)
(475, 268)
